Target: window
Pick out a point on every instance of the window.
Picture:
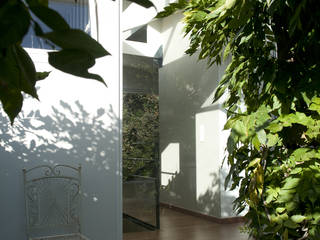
(76, 14)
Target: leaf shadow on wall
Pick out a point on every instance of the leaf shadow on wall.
(207, 203)
(69, 135)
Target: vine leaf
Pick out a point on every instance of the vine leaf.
(143, 3)
(75, 62)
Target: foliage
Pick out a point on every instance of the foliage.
(143, 3)
(273, 104)
(140, 134)
(17, 70)
(171, 8)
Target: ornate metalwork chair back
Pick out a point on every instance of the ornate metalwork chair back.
(52, 199)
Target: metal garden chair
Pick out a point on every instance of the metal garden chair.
(53, 202)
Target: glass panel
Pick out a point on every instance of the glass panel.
(76, 14)
(139, 196)
(140, 141)
(140, 134)
(140, 74)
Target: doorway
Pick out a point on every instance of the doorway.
(140, 143)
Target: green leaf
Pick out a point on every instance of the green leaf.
(299, 153)
(27, 72)
(316, 100)
(199, 16)
(172, 8)
(256, 143)
(269, 198)
(286, 195)
(230, 4)
(9, 70)
(315, 105)
(14, 23)
(290, 224)
(273, 6)
(50, 17)
(291, 183)
(15, 73)
(291, 205)
(246, 39)
(297, 117)
(37, 29)
(275, 127)
(275, 218)
(219, 92)
(316, 217)
(298, 218)
(231, 143)
(42, 75)
(272, 140)
(75, 62)
(44, 2)
(295, 20)
(262, 136)
(280, 210)
(276, 102)
(143, 3)
(296, 171)
(227, 51)
(38, 2)
(229, 124)
(239, 128)
(76, 39)
(306, 98)
(304, 154)
(11, 100)
(303, 119)
(254, 162)
(218, 10)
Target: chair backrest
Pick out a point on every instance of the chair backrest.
(52, 200)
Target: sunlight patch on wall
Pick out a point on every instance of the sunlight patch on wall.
(207, 154)
(170, 163)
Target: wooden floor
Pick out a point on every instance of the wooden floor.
(179, 226)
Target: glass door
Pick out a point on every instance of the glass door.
(141, 141)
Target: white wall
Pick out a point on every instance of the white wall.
(189, 120)
(76, 121)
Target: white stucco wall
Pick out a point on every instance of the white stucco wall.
(193, 125)
(76, 121)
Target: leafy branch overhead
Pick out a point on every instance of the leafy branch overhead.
(272, 84)
(143, 3)
(17, 70)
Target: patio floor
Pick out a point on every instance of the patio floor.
(179, 226)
